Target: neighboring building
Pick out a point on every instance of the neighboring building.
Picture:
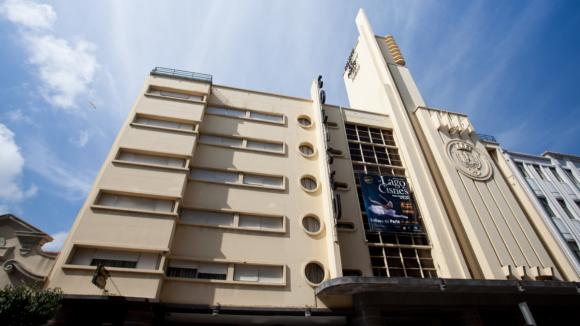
(553, 187)
(223, 205)
(22, 259)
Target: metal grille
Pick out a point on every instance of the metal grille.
(374, 151)
(182, 74)
(487, 137)
(395, 255)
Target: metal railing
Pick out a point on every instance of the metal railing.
(487, 137)
(182, 74)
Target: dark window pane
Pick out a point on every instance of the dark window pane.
(384, 161)
(354, 151)
(394, 262)
(357, 158)
(351, 137)
(353, 145)
(372, 169)
(365, 139)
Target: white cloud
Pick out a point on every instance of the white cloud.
(29, 14)
(11, 163)
(57, 243)
(65, 70)
(81, 139)
(17, 115)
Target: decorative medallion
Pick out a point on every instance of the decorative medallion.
(469, 160)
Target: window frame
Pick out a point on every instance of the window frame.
(235, 224)
(97, 198)
(231, 270)
(247, 115)
(240, 181)
(244, 143)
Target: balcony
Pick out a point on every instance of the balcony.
(182, 74)
(487, 138)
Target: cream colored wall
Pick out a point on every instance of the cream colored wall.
(292, 248)
(98, 227)
(495, 224)
(375, 90)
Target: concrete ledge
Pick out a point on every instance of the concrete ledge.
(354, 285)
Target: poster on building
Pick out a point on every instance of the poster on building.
(388, 204)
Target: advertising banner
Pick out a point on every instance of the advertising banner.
(388, 204)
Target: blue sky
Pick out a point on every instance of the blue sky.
(512, 66)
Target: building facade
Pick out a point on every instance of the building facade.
(22, 259)
(224, 205)
(551, 183)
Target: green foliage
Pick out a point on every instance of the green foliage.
(27, 306)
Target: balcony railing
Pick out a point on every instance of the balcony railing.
(182, 74)
(487, 138)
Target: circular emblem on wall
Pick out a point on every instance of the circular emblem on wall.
(469, 160)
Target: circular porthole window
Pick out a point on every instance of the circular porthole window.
(306, 149)
(314, 273)
(311, 224)
(308, 183)
(304, 121)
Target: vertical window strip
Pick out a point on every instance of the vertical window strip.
(565, 208)
(555, 173)
(539, 170)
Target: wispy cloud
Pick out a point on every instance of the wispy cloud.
(17, 116)
(11, 164)
(74, 184)
(65, 70)
(81, 138)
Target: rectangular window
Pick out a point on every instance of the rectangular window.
(206, 217)
(133, 202)
(268, 117)
(523, 170)
(547, 208)
(539, 170)
(151, 159)
(565, 208)
(230, 112)
(176, 95)
(572, 177)
(219, 140)
(574, 246)
(197, 270)
(165, 124)
(555, 173)
(260, 180)
(369, 135)
(212, 175)
(256, 273)
(265, 146)
(115, 258)
(260, 222)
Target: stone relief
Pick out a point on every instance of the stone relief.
(469, 160)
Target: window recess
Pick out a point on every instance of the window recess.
(165, 124)
(246, 114)
(259, 274)
(115, 258)
(151, 159)
(136, 203)
(197, 270)
(234, 177)
(239, 142)
(234, 220)
(267, 117)
(175, 95)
